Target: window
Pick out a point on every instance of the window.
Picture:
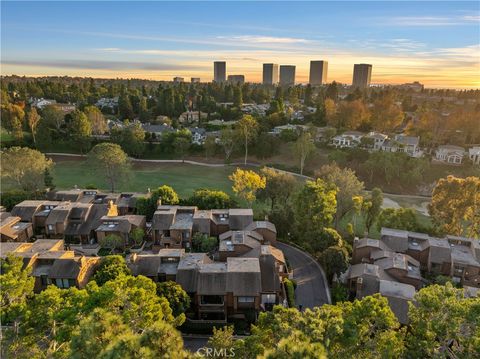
(269, 298)
(63, 283)
(44, 280)
(50, 227)
(211, 299)
(246, 299)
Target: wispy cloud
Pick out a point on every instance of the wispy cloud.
(258, 39)
(104, 65)
(431, 20)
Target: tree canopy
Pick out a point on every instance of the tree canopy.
(24, 167)
(109, 161)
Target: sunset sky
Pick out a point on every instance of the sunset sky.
(436, 43)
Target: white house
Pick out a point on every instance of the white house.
(450, 154)
(474, 155)
(347, 139)
(199, 135)
(377, 139)
(288, 127)
(403, 143)
(158, 130)
(42, 102)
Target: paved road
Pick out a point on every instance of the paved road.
(312, 290)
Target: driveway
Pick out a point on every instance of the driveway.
(312, 289)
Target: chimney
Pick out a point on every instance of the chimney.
(112, 209)
(133, 258)
(159, 202)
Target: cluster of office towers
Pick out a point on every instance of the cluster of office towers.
(284, 75)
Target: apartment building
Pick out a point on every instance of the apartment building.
(270, 74)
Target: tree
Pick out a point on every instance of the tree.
(181, 145)
(96, 119)
(210, 146)
(178, 299)
(110, 268)
(33, 119)
(327, 237)
(351, 115)
(48, 179)
(372, 207)
(112, 241)
(246, 184)
(247, 128)
(80, 128)
(24, 166)
(109, 160)
(401, 218)
(223, 343)
(303, 148)
(97, 333)
(210, 199)
(315, 207)
(135, 299)
(17, 287)
(203, 243)
(12, 119)
(137, 234)
(365, 328)
(51, 319)
(53, 117)
(237, 96)
(143, 110)
(278, 187)
(443, 323)
(227, 141)
(455, 206)
(164, 194)
(125, 109)
(386, 115)
(348, 186)
(335, 261)
(131, 138)
(330, 110)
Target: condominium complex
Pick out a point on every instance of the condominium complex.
(287, 75)
(318, 72)
(236, 79)
(270, 74)
(362, 74)
(219, 71)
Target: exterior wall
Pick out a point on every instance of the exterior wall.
(268, 236)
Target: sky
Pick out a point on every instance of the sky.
(436, 43)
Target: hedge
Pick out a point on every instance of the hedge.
(289, 288)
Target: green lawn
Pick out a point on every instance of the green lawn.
(184, 178)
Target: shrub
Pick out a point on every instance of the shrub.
(289, 288)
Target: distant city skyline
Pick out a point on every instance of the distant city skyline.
(436, 43)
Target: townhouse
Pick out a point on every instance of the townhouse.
(174, 226)
(80, 217)
(50, 263)
(399, 262)
(235, 287)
